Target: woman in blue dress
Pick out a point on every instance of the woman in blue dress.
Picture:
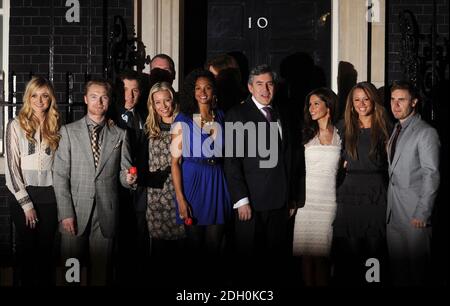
(197, 164)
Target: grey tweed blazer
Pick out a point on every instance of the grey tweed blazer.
(78, 184)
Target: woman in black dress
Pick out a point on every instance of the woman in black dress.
(359, 227)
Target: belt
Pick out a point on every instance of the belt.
(205, 161)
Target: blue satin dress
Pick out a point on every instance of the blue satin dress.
(204, 184)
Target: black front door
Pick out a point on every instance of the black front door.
(271, 31)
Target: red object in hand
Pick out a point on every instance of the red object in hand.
(132, 170)
(188, 221)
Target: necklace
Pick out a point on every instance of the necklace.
(207, 122)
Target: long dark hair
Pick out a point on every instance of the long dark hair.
(188, 104)
(310, 126)
(380, 123)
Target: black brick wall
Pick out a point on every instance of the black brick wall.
(30, 39)
(29, 52)
(423, 11)
(5, 225)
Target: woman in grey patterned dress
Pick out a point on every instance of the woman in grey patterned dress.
(166, 234)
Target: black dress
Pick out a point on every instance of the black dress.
(359, 228)
(361, 199)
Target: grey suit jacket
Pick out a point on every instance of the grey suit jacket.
(77, 183)
(413, 173)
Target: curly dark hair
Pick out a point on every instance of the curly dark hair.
(188, 104)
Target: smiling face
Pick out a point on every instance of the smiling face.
(204, 91)
(97, 100)
(402, 104)
(318, 109)
(131, 92)
(362, 103)
(262, 88)
(163, 104)
(40, 101)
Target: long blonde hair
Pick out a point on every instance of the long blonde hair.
(30, 123)
(379, 127)
(153, 119)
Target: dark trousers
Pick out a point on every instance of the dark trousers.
(143, 245)
(133, 247)
(264, 234)
(35, 247)
(262, 248)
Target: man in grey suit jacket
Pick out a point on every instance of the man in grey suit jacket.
(86, 178)
(413, 152)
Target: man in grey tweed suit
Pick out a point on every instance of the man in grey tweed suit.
(86, 183)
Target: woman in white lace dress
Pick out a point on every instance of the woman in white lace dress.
(313, 230)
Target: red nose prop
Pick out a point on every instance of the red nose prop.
(188, 221)
(132, 170)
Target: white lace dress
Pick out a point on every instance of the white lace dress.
(313, 231)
